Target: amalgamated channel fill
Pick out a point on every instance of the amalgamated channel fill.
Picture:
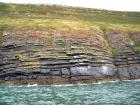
(116, 93)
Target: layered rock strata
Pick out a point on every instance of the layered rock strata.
(57, 57)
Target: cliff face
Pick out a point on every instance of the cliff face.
(54, 56)
(54, 44)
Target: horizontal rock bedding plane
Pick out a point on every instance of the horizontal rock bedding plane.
(58, 57)
(66, 55)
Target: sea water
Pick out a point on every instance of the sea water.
(109, 93)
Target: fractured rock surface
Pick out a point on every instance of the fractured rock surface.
(51, 57)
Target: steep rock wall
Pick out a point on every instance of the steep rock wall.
(53, 57)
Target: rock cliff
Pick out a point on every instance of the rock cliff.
(50, 44)
(75, 56)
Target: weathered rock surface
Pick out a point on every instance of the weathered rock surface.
(53, 57)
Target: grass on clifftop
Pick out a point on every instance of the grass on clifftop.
(13, 16)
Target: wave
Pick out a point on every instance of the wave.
(69, 85)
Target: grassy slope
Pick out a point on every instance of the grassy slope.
(57, 17)
(14, 16)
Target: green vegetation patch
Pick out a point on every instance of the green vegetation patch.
(59, 17)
